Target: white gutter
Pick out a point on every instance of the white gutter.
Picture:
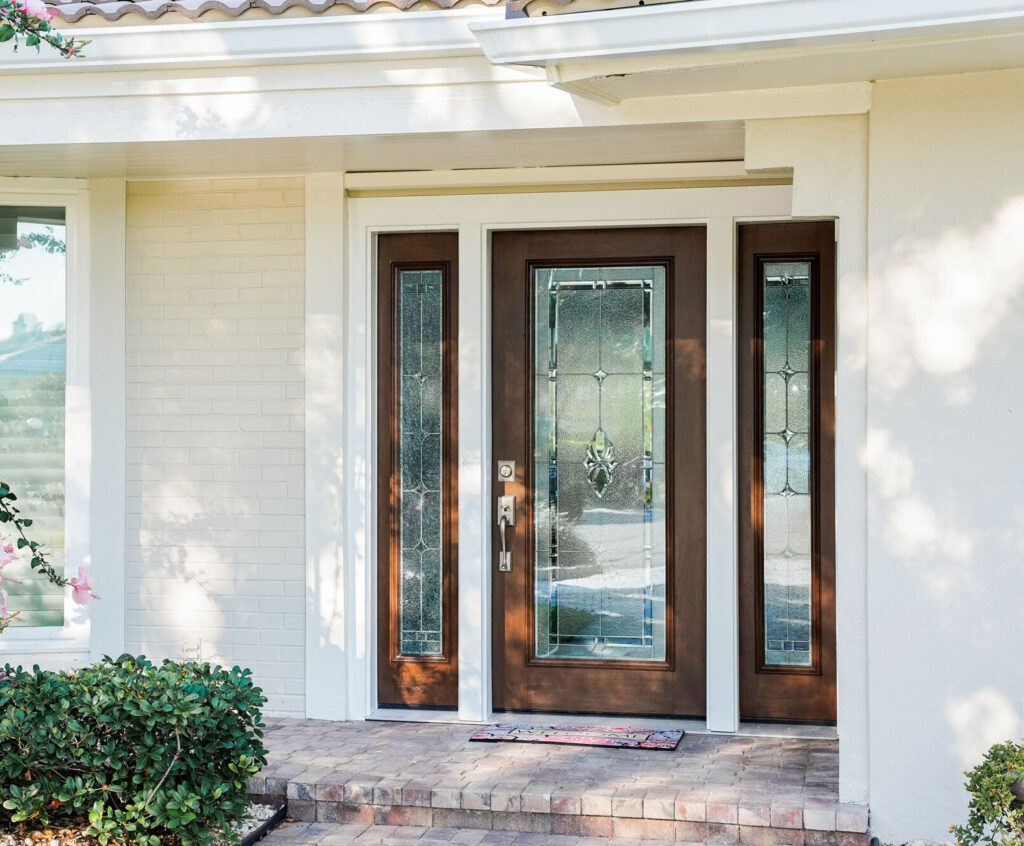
(733, 26)
(318, 38)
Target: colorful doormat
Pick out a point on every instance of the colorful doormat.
(629, 738)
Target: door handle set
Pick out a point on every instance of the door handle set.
(506, 516)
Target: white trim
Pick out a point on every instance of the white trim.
(330, 653)
(536, 176)
(107, 336)
(475, 477)
(723, 659)
(71, 639)
(318, 38)
(739, 25)
(476, 217)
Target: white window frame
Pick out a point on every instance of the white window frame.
(72, 639)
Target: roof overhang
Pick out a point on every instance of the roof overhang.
(714, 45)
(258, 41)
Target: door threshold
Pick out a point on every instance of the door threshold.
(690, 726)
(420, 715)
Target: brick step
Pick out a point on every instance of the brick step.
(634, 812)
(351, 834)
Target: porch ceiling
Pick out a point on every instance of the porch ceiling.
(705, 141)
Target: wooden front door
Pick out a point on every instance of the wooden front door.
(417, 501)
(599, 400)
(786, 375)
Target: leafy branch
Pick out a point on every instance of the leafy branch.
(10, 513)
(30, 19)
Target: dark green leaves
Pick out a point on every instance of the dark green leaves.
(97, 742)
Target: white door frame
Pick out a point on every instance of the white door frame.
(474, 217)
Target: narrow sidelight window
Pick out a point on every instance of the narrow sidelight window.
(417, 275)
(33, 379)
(420, 307)
(786, 463)
(786, 405)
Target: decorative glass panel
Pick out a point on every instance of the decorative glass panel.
(787, 464)
(420, 309)
(599, 452)
(33, 376)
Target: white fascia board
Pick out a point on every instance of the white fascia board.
(540, 176)
(723, 26)
(341, 38)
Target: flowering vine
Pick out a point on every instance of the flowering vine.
(81, 585)
(30, 20)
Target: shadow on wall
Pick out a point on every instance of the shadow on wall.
(946, 508)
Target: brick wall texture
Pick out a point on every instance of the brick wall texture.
(215, 345)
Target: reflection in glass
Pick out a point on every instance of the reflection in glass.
(420, 310)
(787, 464)
(33, 376)
(599, 453)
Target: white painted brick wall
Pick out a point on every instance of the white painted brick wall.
(215, 504)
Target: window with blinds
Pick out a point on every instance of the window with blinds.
(33, 376)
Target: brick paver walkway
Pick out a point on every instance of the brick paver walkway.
(429, 779)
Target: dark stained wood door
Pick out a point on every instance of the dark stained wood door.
(599, 399)
(786, 444)
(417, 501)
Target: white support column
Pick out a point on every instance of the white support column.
(334, 648)
(829, 157)
(722, 570)
(475, 464)
(107, 369)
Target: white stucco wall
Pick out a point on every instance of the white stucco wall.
(214, 379)
(945, 414)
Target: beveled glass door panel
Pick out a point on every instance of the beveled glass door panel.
(599, 505)
(601, 605)
(420, 334)
(786, 329)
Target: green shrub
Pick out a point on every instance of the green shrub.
(142, 751)
(994, 817)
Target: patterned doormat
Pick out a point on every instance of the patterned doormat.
(629, 738)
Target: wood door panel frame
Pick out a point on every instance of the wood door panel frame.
(682, 251)
(415, 680)
(779, 692)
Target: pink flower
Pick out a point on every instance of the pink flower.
(81, 587)
(7, 555)
(5, 618)
(37, 9)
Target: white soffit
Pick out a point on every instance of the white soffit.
(718, 45)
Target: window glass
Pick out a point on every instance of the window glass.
(33, 377)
